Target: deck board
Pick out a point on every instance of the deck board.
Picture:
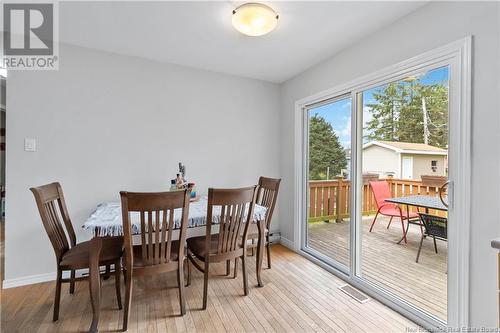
(388, 264)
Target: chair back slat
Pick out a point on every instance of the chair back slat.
(435, 226)
(236, 207)
(59, 234)
(235, 226)
(163, 246)
(150, 231)
(170, 227)
(144, 244)
(267, 196)
(234, 223)
(157, 223)
(221, 227)
(55, 218)
(230, 223)
(157, 258)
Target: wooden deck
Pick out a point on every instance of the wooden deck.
(298, 296)
(391, 265)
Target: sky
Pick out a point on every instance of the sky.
(338, 113)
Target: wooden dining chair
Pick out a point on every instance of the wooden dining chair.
(236, 214)
(158, 252)
(71, 255)
(267, 195)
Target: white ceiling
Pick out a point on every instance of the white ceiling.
(199, 34)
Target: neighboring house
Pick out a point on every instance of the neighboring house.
(404, 160)
(348, 159)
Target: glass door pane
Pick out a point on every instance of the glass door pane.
(405, 154)
(328, 189)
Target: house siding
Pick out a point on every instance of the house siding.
(422, 165)
(380, 160)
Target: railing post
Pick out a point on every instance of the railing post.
(390, 180)
(339, 202)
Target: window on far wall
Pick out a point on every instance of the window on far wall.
(434, 166)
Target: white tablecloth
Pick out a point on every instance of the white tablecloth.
(106, 220)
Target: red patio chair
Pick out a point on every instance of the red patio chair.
(381, 191)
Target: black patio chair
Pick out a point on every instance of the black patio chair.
(435, 227)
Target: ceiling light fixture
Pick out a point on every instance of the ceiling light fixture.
(254, 19)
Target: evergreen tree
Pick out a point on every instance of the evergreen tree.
(385, 113)
(398, 113)
(325, 150)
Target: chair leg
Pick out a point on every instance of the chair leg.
(403, 226)
(95, 283)
(435, 245)
(57, 298)
(235, 268)
(188, 264)
(72, 283)
(390, 221)
(268, 250)
(128, 299)
(118, 268)
(228, 267)
(420, 248)
(107, 274)
(253, 247)
(373, 223)
(244, 273)
(261, 243)
(180, 282)
(205, 285)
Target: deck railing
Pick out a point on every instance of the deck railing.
(330, 199)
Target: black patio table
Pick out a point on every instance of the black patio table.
(424, 201)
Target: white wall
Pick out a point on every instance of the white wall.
(106, 123)
(431, 26)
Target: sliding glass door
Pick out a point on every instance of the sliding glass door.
(375, 160)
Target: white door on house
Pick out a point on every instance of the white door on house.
(407, 168)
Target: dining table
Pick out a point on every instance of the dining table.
(420, 201)
(106, 221)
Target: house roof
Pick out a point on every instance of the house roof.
(408, 147)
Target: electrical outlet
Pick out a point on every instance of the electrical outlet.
(29, 144)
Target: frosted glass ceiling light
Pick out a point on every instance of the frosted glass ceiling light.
(254, 19)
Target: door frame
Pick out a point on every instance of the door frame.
(456, 55)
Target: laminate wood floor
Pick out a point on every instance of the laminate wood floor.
(298, 296)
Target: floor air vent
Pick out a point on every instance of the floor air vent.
(354, 293)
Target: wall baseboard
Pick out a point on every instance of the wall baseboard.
(32, 279)
(287, 243)
(26, 280)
